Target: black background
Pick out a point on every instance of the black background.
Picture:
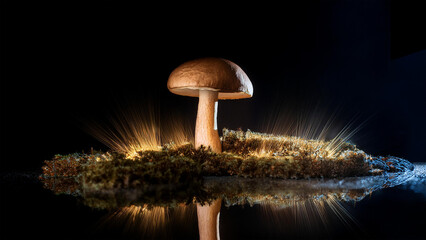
(65, 63)
(69, 63)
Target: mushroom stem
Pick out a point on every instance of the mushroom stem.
(206, 125)
(208, 220)
(206, 134)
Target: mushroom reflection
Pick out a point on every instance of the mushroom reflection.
(310, 203)
(208, 220)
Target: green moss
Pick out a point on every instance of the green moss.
(245, 154)
(149, 167)
(178, 174)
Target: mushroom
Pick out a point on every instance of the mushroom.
(208, 220)
(209, 79)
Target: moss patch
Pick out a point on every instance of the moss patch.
(245, 154)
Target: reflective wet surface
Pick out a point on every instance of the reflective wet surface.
(392, 206)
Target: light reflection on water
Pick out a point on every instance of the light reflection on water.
(417, 182)
(299, 206)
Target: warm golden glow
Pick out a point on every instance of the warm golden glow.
(137, 130)
(313, 214)
(345, 134)
(152, 221)
(318, 148)
(311, 128)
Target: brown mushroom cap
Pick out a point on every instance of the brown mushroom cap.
(214, 74)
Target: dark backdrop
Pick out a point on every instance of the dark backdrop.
(67, 62)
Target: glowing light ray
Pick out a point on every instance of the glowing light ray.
(308, 123)
(340, 211)
(133, 130)
(343, 137)
(324, 131)
(310, 215)
(322, 213)
(150, 222)
(140, 218)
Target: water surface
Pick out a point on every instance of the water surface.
(306, 210)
